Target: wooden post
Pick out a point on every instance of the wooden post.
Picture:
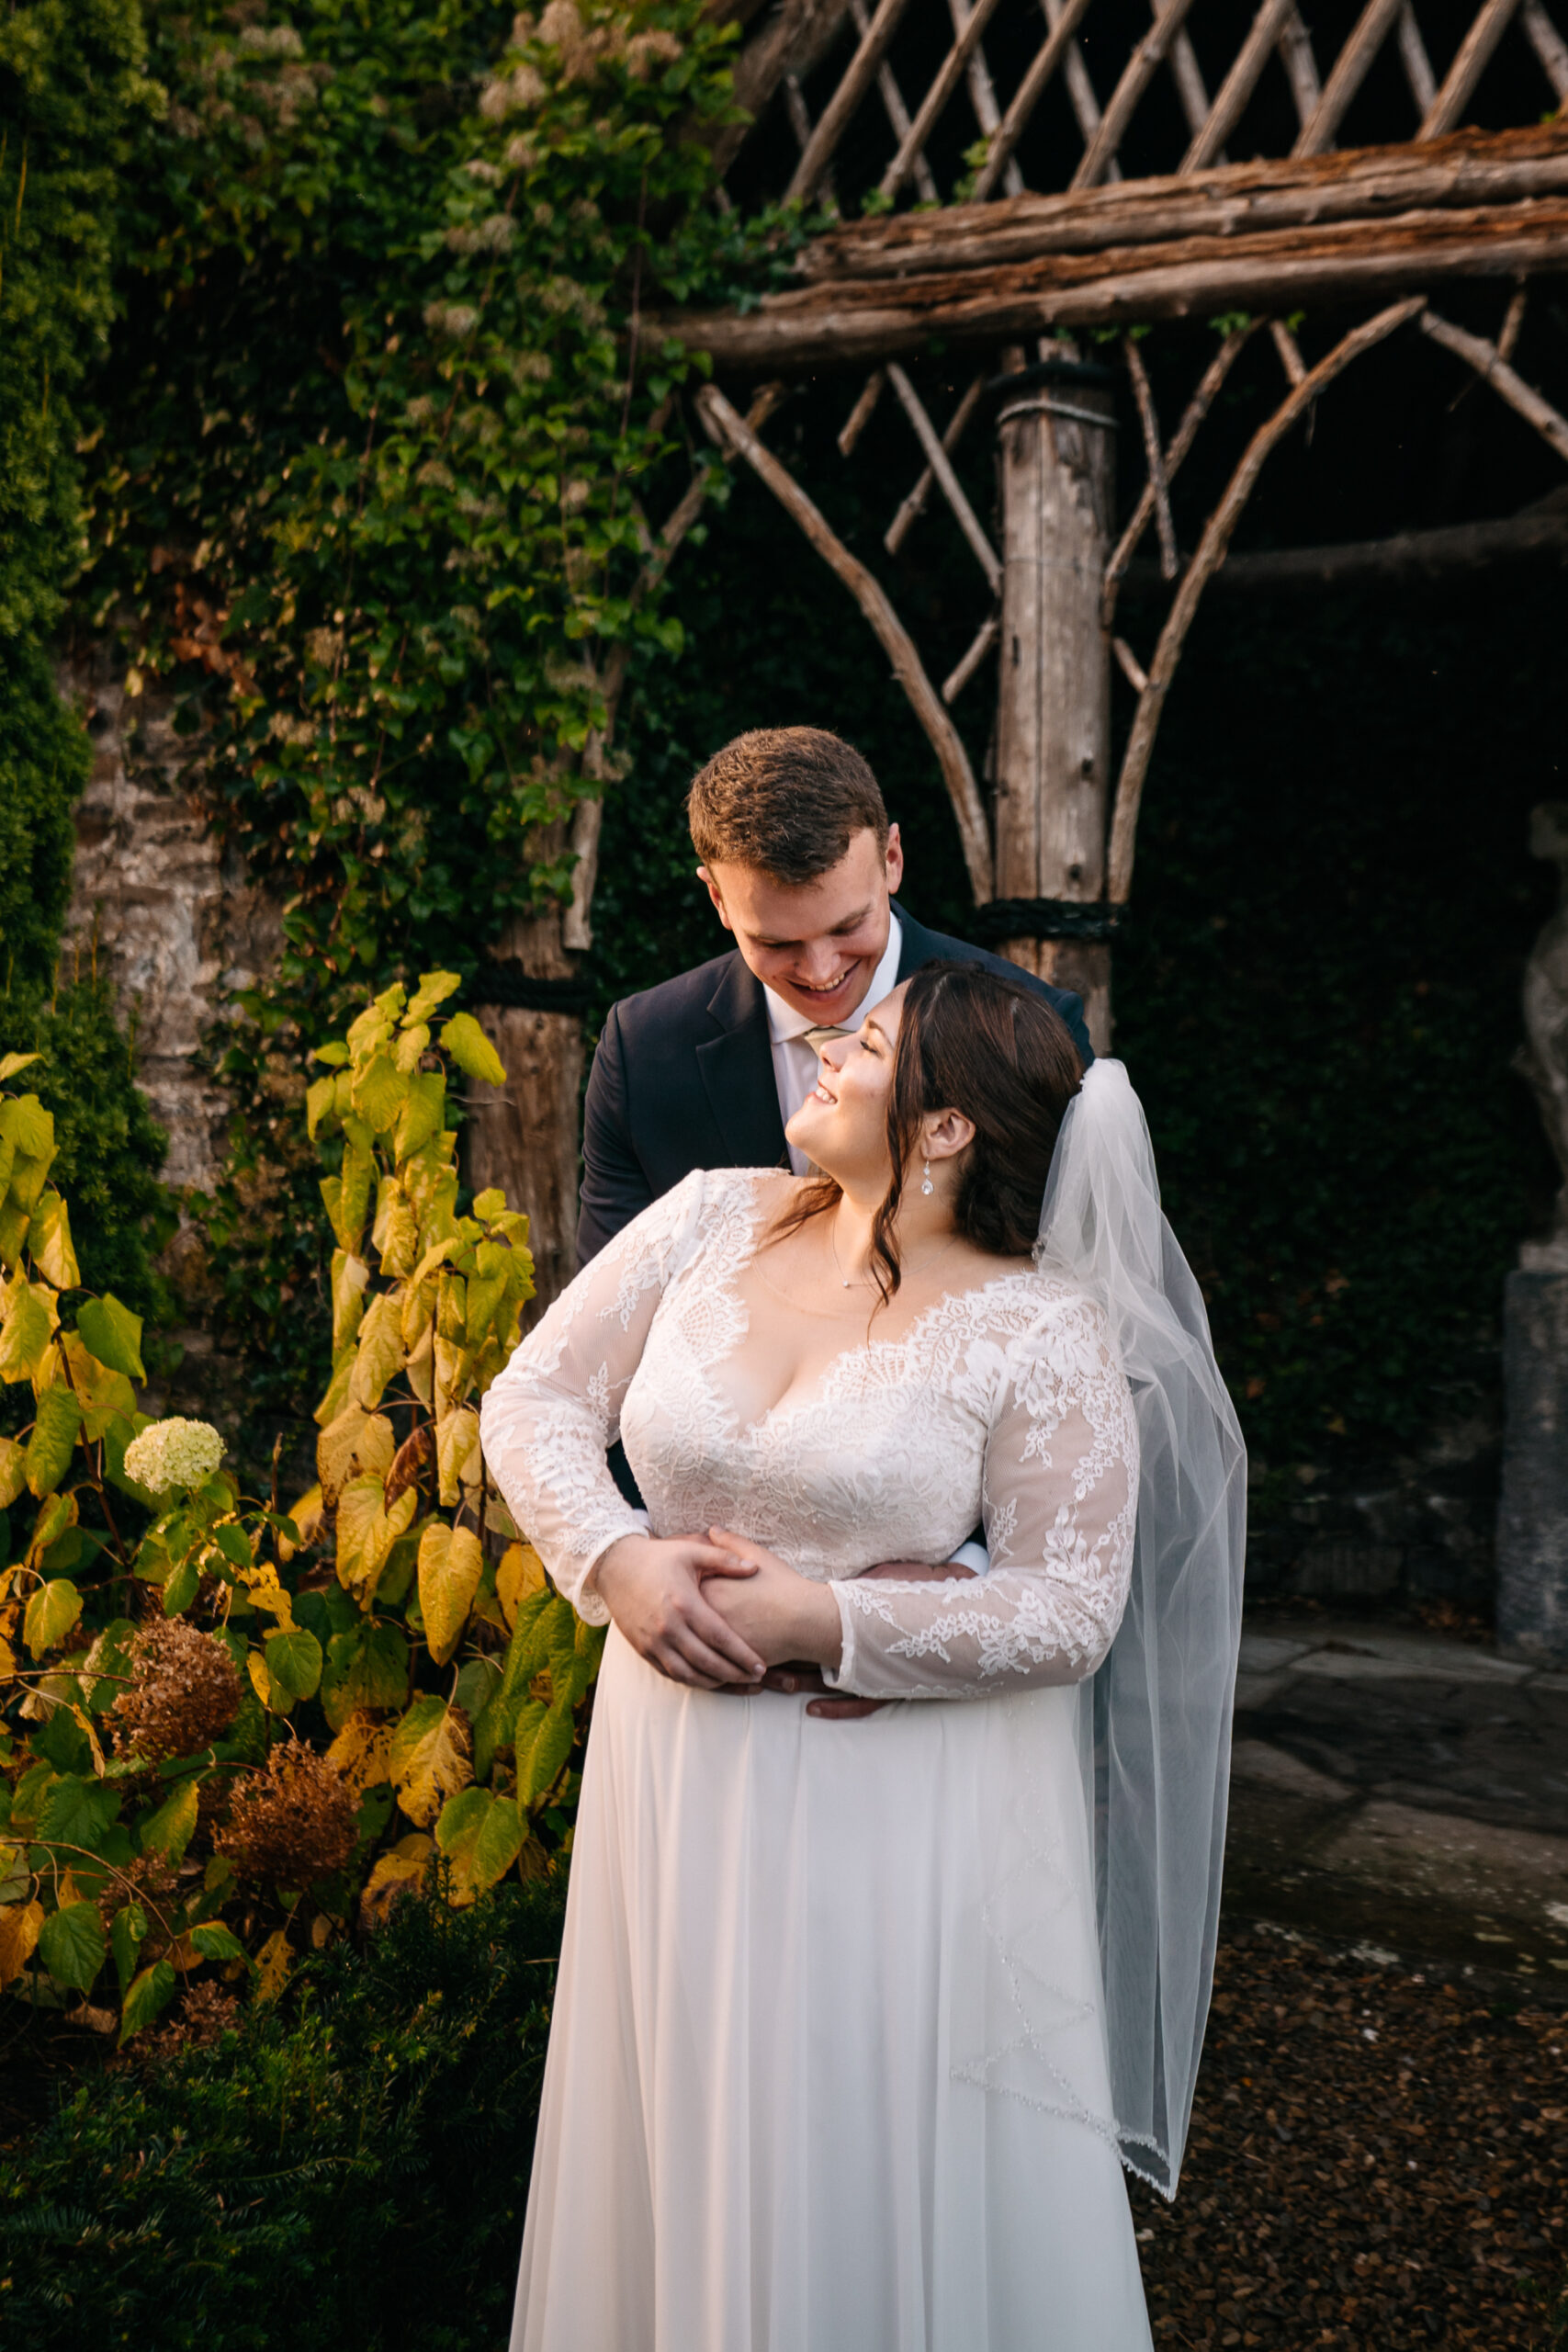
(1054, 716)
(523, 1135)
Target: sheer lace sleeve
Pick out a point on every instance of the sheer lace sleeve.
(1059, 1501)
(548, 1421)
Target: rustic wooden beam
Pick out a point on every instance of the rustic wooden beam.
(731, 433)
(936, 98)
(860, 415)
(1139, 71)
(1351, 67)
(1154, 455)
(1197, 409)
(982, 93)
(947, 480)
(1540, 529)
(837, 115)
(1468, 168)
(1210, 554)
(1301, 67)
(789, 42)
(1548, 44)
(984, 636)
(1027, 97)
(1238, 84)
(914, 507)
(859, 323)
(1489, 363)
(1414, 57)
(1473, 56)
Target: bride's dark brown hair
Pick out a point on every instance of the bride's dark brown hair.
(970, 1040)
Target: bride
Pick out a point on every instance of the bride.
(857, 2020)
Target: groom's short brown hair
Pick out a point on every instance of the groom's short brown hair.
(786, 799)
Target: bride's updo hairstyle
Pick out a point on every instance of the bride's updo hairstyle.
(971, 1041)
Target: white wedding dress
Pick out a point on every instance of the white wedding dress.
(828, 2073)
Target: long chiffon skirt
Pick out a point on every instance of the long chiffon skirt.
(760, 2130)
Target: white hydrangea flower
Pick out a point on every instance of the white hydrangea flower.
(175, 1453)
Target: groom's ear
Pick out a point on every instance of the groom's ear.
(713, 891)
(894, 859)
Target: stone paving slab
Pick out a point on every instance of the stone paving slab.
(1395, 1783)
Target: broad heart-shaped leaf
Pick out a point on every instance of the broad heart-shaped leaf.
(406, 1867)
(471, 1050)
(294, 1662)
(11, 1063)
(213, 1941)
(539, 1765)
(380, 1349)
(72, 1944)
(319, 1099)
(450, 1566)
(433, 988)
(145, 1997)
(366, 1670)
(53, 1442)
(28, 1127)
(430, 1757)
(366, 1531)
(357, 1441)
(49, 1239)
(30, 1318)
(170, 1830)
(424, 1113)
(20, 1923)
(456, 1452)
(362, 1754)
(481, 1837)
(52, 1609)
(78, 1812)
(520, 1574)
(114, 1335)
(377, 1092)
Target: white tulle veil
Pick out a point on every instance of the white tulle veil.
(1154, 1723)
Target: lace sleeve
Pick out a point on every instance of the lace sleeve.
(1059, 1498)
(548, 1421)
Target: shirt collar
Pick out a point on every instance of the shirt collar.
(785, 1024)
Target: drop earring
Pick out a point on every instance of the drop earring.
(928, 1186)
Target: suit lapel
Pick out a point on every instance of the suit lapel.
(917, 946)
(737, 1070)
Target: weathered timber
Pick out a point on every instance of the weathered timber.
(1238, 86)
(1139, 71)
(1474, 56)
(790, 41)
(856, 324)
(1350, 69)
(1489, 363)
(1053, 693)
(1031, 90)
(523, 1135)
(1197, 409)
(840, 109)
(914, 505)
(947, 480)
(732, 435)
(1540, 529)
(1210, 554)
(1467, 169)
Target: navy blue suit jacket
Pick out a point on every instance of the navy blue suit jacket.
(684, 1078)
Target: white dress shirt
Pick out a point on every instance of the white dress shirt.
(794, 1062)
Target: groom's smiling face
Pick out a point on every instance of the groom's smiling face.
(816, 943)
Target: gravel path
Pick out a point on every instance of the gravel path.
(1379, 2160)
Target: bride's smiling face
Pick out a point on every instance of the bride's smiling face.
(842, 1123)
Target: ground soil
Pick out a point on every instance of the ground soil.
(1378, 2160)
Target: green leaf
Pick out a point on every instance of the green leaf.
(27, 1329)
(433, 988)
(170, 1830)
(539, 1768)
(422, 1114)
(28, 1127)
(471, 1050)
(366, 1669)
(113, 1334)
(234, 1544)
(77, 1812)
(181, 1585)
(481, 1837)
(53, 1440)
(128, 1933)
(72, 1945)
(213, 1941)
(294, 1662)
(52, 1609)
(49, 1239)
(11, 1063)
(148, 1994)
(380, 1091)
(318, 1100)
(334, 1055)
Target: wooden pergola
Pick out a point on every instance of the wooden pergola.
(1018, 210)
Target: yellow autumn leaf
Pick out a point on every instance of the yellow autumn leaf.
(349, 1275)
(273, 1963)
(362, 1753)
(366, 1531)
(49, 1239)
(20, 1923)
(457, 1453)
(28, 1320)
(7, 1661)
(261, 1583)
(261, 1681)
(356, 1443)
(307, 1517)
(12, 1471)
(454, 1375)
(450, 1566)
(396, 1231)
(430, 1749)
(380, 1352)
(521, 1573)
(403, 1869)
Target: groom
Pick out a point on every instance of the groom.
(704, 1070)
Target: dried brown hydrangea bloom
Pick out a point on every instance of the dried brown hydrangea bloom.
(292, 1822)
(203, 2017)
(183, 1694)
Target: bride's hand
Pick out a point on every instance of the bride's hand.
(653, 1587)
(780, 1614)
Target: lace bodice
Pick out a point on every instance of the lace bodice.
(1001, 1403)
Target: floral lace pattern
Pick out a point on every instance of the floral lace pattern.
(1001, 1403)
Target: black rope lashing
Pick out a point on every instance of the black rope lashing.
(508, 984)
(1003, 919)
